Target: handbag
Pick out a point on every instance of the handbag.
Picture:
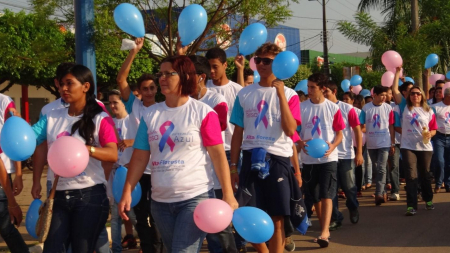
(45, 214)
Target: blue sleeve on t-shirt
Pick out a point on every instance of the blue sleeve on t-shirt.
(129, 103)
(362, 117)
(237, 115)
(402, 106)
(141, 140)
(434, 109)
(40, 130)
(299, 128)
(397, 118)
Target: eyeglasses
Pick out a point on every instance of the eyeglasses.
(415, 93)
(265, 61)
(166, 74)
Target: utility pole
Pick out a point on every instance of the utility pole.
(326, 68)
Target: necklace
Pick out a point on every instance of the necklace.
(200, 92)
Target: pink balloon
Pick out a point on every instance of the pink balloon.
(357, 89)
(387, 79)
(391, 59)
(433, 78)
(252, 63)
(213, 215)
(68, 156)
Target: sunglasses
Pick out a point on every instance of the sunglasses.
(415, 93)
(166, 74)
(265, 61)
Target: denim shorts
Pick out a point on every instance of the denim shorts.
(320, 180)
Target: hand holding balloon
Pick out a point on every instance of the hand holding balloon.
(139, 44)
(180, 49)
(239, 62)
(330, 150)
(302, 146)
(279, 85)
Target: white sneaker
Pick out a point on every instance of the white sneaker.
(394, 197)
(309, 223)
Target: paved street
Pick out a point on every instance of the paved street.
(381, 229)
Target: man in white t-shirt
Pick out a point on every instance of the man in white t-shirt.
(321, 119)
(149, 236)
(348, 160)
(219, 83)
(379, 119)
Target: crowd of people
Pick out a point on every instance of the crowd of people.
(243, 142)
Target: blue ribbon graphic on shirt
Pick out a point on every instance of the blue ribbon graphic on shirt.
(447, 115)
(376, 119)
(316, 122)
(415, 117)
(262, 108)
(166, 135)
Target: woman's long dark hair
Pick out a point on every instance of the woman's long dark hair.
(85, 125)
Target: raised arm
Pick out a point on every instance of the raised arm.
(395, 91)
(125, 70)
(239, 62)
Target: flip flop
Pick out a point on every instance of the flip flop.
(315, 239)
(323, 243)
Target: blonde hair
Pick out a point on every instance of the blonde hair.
(268, 47)
(423, 101)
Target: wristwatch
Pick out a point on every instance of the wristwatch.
(92, 150)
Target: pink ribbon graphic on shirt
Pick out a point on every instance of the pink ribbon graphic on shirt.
(447, 115)
(166, 135)
(316, 122)
(376, 119)
(415, 117)
(262, 109)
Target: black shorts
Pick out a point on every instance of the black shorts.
(319, 181)
(271, 194)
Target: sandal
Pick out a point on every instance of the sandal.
(323, 243)
(315, 239)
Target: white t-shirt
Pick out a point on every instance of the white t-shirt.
(177, 139)
(58, 123)
(442, 112)
(126, 131)
(320, 121)
(135, 108)
(229, 91)
(219, 104)
(5, 104)
(257, 110)
(351, 120)
(412, 123)
(377, 120)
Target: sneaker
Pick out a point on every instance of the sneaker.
(289, 244)
(402, 181)
(354, 216)
(335, 225)
(309, 223)
(380, 199)
(129, 242)
(394, 197)
(429, 205)
(410, 211)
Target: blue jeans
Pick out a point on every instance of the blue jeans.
(79, 216)
(175, 222)
(116, 227)
(367, 168)
(441, 145)
(102, 245)
(394, 171)
(8, 231)
(346, 179)
(379, 157)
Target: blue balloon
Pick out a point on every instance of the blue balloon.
(285, 65)
(129, 19)
(448, 75)
(256, 77)
(119, 183)
(316, 148)
(251, 38)
(355, 80)
(191, 23)
(303, 86)
(345, 85)
(18, 140)
(409, 79)
(400, 82)
(431, 61)
(365, 93)
(32, 217)
(253, 224)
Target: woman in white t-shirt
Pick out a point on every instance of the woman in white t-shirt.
(81, 206)
(184, 138)
(416, 147)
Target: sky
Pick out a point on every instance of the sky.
(307, 16)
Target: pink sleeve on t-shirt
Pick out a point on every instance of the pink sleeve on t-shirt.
(104, 109)
(294, 105)
(391, 118)
(353, 118)
(107, 133)
(210, 130)
(338, 121)
(433, 124)
(295, 137)
(222, 112)
(10, 105)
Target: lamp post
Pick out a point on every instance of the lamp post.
(326, 68)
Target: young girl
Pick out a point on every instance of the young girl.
(81, 206)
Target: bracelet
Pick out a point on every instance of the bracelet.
(233, 171)
(233, 164)
(13, 207)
